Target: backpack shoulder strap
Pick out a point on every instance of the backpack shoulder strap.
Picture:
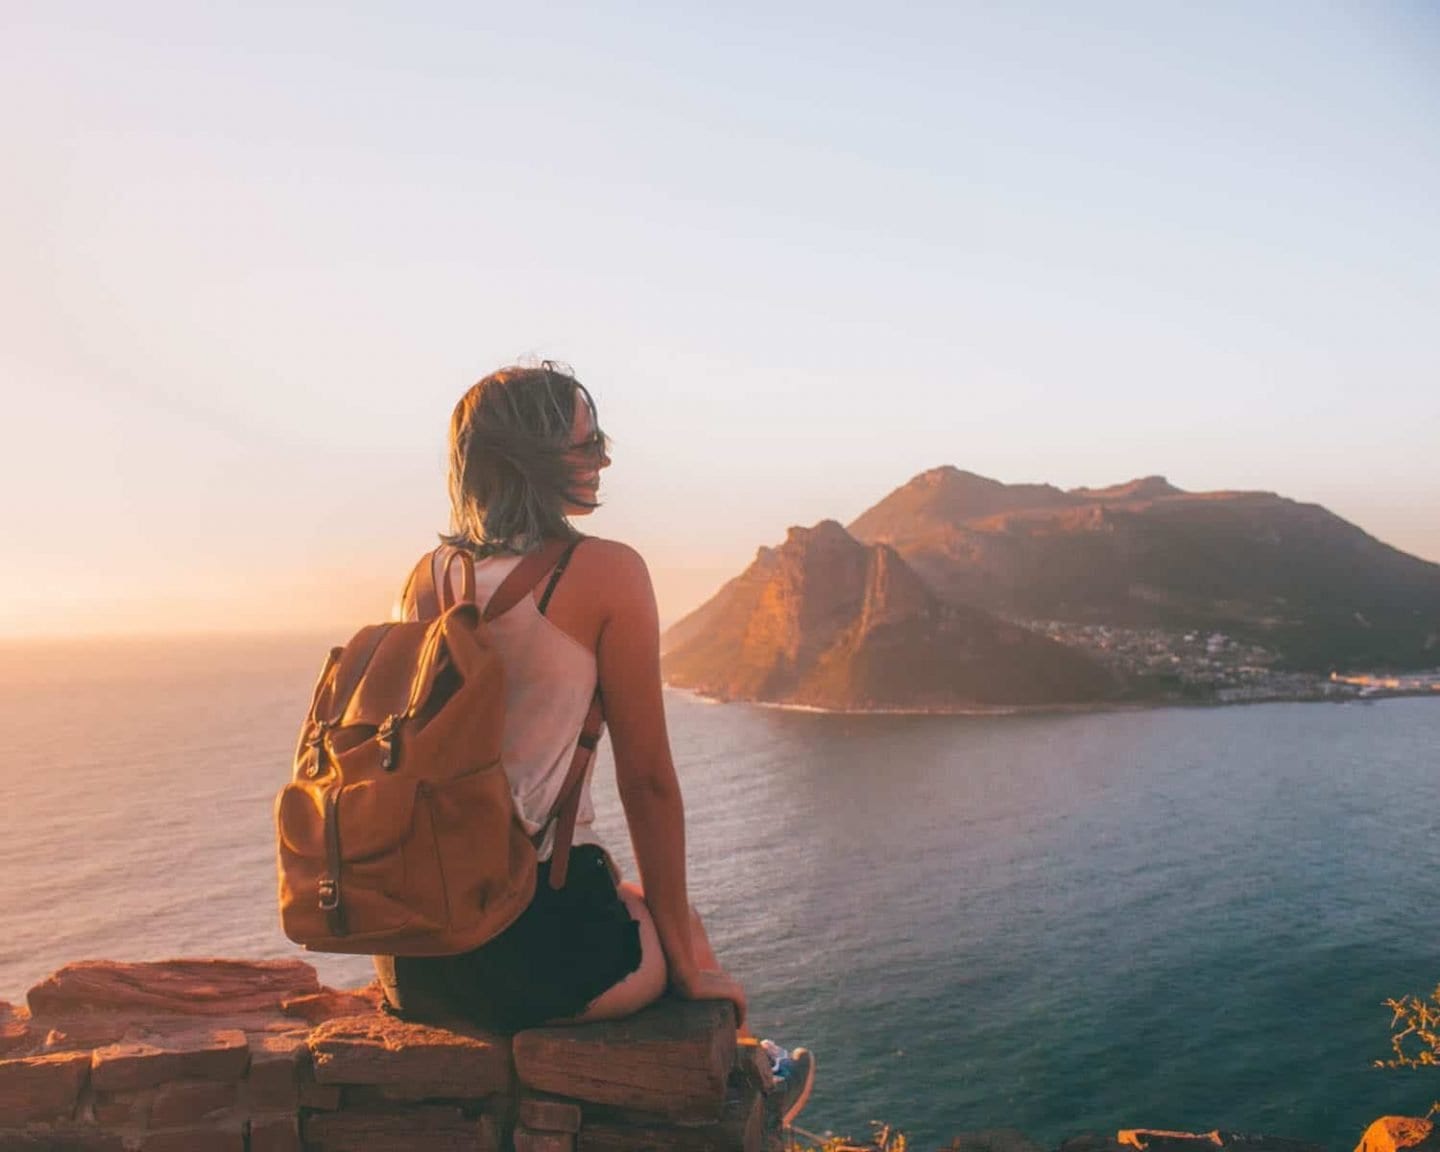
(524, 576)
(428, 590)
(567, 804)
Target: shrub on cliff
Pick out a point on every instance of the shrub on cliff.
(1415, 1034)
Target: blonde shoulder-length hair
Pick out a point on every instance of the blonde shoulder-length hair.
(511, 460)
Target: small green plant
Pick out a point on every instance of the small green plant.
(1415, 1034)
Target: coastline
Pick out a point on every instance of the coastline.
(1079, 708)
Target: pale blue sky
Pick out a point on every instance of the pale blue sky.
(799, 253)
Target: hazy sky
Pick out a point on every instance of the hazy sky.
(252, 257)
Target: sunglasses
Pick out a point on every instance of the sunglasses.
(593, 445)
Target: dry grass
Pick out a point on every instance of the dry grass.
(883, 1138)
(1415, 1034)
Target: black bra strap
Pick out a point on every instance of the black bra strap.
(555, 574)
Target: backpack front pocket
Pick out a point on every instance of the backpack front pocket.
(350, 859)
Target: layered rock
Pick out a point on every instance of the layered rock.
(1308, 585)
(826, 621)
(238, 1056)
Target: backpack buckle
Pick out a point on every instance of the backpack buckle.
(385, 736)
(316, 742)
(329, 894)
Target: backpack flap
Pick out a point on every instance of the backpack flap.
(403, 691)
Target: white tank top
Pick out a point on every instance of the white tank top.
(550, 678)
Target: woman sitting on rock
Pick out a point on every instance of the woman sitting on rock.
(526, 453)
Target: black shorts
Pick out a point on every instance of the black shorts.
(566, 948)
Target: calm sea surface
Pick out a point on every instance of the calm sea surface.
(1177, 918)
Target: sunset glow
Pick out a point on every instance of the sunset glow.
(253, 258)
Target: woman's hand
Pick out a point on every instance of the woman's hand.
(713, 984)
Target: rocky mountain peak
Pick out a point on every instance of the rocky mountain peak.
(1142, 488)
(948, 495)
(827, 534)
(824, 619)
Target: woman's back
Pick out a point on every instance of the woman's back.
(550, 679)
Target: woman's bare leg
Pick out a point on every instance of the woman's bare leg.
(646, 984)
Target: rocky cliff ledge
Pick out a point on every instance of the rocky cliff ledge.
(237, 1056)
(229, 1056)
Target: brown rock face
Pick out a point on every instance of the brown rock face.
(273, 1084)
(437, 1128)
(210, 1054)
(740, 1128)
(173, 987)
(671, 1060)
(417, 1059)
(1291, 576)
(329, 1003)
(275, 1134)
(42, 1087)
(549, 1114)
(826, 621)
(540, 1140)
(185, 1102)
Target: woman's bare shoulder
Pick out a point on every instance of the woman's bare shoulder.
(597, 550)
(613, 566)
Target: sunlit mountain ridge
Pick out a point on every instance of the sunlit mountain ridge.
(930, 598)
(1316, 590)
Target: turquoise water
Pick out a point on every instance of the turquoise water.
(1175, 918)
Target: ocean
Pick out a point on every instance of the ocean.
(1177, 918)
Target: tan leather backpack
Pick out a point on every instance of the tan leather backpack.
(397, 833)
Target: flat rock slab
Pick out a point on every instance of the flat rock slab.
(328, 1003)
(425, 1129)
(418, 1060)
(210, 1137)
(740, 1128)
(548, 1114)
(537, 1140)
(62, 1138)
(201, 1054)
(42, 1087)
(273, 1083)
(275, 1134)
(1400, 1134)
(187, 1102)
(173, 987)
(670, 1060)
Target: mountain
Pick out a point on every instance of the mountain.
(827, 621)
(1293, 577)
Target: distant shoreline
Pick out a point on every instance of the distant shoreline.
(991, 710)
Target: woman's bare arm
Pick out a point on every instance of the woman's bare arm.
(628, 652)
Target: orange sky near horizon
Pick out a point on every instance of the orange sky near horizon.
(254, 255)
(339, 593)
